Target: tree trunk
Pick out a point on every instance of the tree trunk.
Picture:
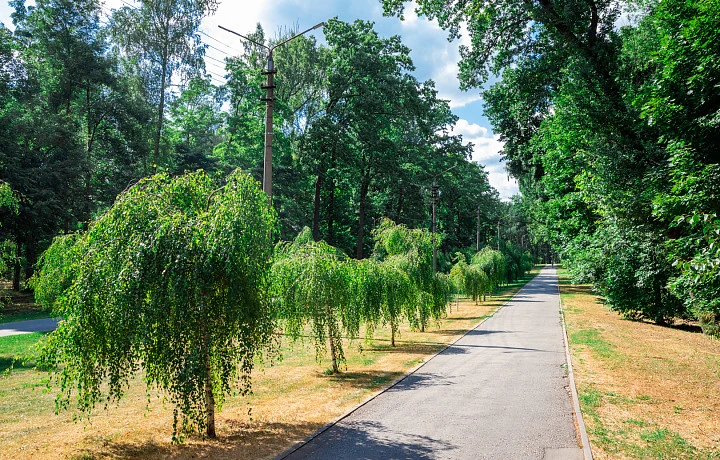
(364, 187)
(392, 332)
(30, 257)
(331, 204)
(17, 267)
(209, 396)
(333, 351)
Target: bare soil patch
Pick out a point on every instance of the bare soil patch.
(646, 391)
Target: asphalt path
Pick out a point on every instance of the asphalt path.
(26, 327)
(500, 392)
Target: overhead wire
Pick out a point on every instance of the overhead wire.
(221, 42)
(214, 75)
(214, 59)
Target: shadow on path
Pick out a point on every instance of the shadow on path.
(360, 438)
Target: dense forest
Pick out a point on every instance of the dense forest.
(609, 112)
(95, 99)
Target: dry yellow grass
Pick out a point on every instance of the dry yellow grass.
(646, 391)
(290, 400)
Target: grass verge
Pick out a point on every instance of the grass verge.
(290, 399)
(646, 391)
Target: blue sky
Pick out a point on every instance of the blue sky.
(434, 56)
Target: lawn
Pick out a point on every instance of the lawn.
(646, 391)
(291, 399)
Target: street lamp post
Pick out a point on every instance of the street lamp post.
(269, 100)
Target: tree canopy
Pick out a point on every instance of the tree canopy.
(173, 279)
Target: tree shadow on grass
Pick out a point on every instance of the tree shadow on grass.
(15, 363)
(236, 439)
(365, 379)
(409, 347)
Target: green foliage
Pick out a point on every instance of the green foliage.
(517, 262)
(469, 280)
(312, 286)
(411, 251)
(492, 263)
(611, 132)
(171, 280)
(399, 295)
(7, 198)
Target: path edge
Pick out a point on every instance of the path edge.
(584, 439)
(334, 422)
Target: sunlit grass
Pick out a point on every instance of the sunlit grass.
(646, 391)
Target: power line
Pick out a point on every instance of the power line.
(219, 66)
(222, 43)
(216, 49)
(214, 59)
(216, 74)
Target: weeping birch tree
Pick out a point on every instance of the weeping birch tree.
(492, 263)
(411, 251)
(469, 280)
(311, 287)
(170, 281)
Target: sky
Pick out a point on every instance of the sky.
(433, 55)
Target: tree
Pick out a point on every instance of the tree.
(311, 286)
(411, 251)
(492, 263)
(72, 129)
(194, 124)
(469, 280)
(172, 279)
(162, 36)
(399, 295)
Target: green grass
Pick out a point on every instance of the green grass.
(635, 438)
(16, 351)
(24, 316)
(591, 339)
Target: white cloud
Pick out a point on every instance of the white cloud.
(444, 58)
(486, 151)
(240, 16)
(468, 130)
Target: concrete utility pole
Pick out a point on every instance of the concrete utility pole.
(498, 234)
(269, 100)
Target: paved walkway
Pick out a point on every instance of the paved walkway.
(26, 327)
(500, 392)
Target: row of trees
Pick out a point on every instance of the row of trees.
(489, 269)
(609, 114)
(92, 100)
(181, 280)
